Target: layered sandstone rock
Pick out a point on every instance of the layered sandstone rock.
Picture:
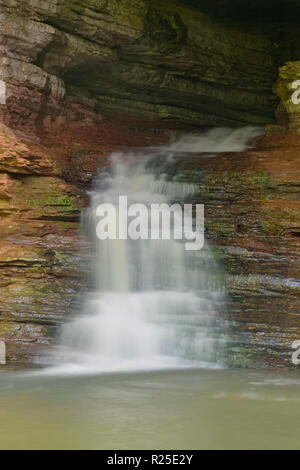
(287, 88)
(252, 216)
(145, 58)
(42, 255)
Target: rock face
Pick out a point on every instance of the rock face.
(37, 236)
(252, 215)
(288, 89)
(42, 254)
(157, 60)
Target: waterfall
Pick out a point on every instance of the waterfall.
(151, 304)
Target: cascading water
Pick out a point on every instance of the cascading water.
(152, 304)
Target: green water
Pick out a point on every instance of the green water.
(158, 410)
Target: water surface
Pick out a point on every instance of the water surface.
(220, 409)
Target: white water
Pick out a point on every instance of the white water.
(152, 305)
(219, 139)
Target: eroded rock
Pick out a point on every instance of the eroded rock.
(162, 61)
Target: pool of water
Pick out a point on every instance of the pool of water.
(217, 409)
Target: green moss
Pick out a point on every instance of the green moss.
(166, 30)
(6, 329)
(174, 7)
(54, 200)
(69, 225)
(264, 284)
(49, 332)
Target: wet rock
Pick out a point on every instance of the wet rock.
(43, 259)
(35, 205)
(163, 61)
(252, 215)
(23, 158)
(287, 88)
